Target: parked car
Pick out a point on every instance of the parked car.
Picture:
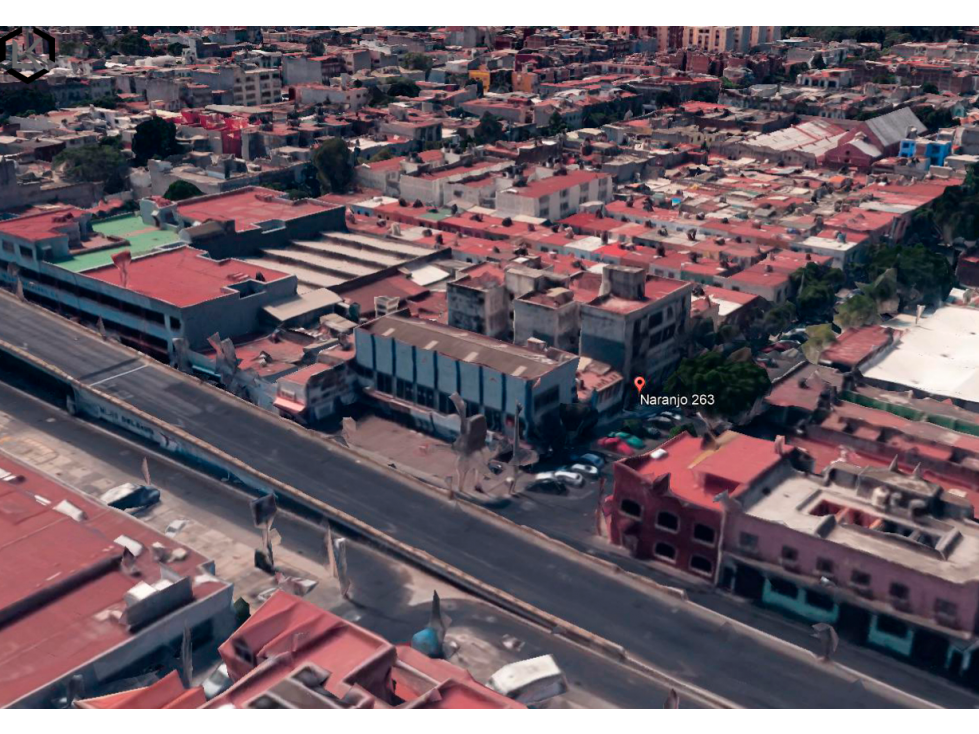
(615, 444)
(569, 477)
(634, 441)
(592, 457)
(496, 467)
(796, 338)
(585, 470)
(132, 497)
(664, 421)
(547, 486)
(544, 476)
(217, 682)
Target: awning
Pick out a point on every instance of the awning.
(290, 406)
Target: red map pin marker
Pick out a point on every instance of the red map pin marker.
(640, 383)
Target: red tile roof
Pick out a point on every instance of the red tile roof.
(42, 226)
(248, 207)
(853, 346)
(699, 471)
(299, 633)
(63, 575)
(184, 276)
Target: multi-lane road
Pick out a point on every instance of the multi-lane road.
(679, 638)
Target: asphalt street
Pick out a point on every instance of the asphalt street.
(387, 596)
(681, 639)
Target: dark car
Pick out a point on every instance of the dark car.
(132, 497)
(547, 486)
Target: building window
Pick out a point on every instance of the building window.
(819, 600)
(946, 608)
(789, 554)
(665, 551)
(899, 591)
(631, 508)
(667, 521)
(701, 565)
(426, 397)
(405, 390)
(859, 578)
(782, 587)
(383, 382)
(748, 541)
(704, 533)
(890, 626)
(824, 566)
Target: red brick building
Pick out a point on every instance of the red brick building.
(663, 504)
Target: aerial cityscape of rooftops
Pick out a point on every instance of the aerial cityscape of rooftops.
(564, 367)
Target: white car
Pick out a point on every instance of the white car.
(586, 470)
(569, 477)
(544, 475)
(217, 682)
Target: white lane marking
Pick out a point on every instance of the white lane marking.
(121, 374)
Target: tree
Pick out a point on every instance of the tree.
(489, 129)
(175, 49)
(20, 99)
(681, 428)
(820, 337)
(779, 318)
(103, 164)
(556, 126)
(818, 62)
(885, 292)
(733, 385)
(937, 118)
(417, 62)
(155, 138)
(315, 47)
(180, 190)
(860, 310)
(384, 154)
(706, 94)
(816, 287)
(952, 215)
(334, 170)
(667, 99)
(923, 275)
(402, 87)
(132, 44)
(929, 88)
